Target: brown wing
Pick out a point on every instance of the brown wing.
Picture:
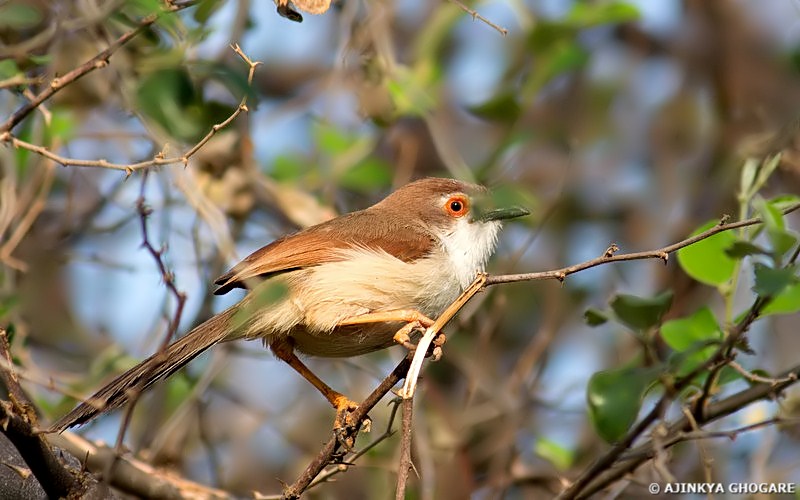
(319, 244)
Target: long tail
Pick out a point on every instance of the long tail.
(157, 367)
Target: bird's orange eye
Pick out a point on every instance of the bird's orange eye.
(457, 205)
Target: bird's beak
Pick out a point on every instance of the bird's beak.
(503, 214)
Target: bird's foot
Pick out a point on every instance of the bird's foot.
(345, 427)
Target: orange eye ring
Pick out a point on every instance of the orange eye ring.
(457, 205)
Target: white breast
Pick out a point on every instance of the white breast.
(468, 246)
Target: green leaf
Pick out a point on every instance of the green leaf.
(555, 61)
(331, 139)
(410, 92)
(234, 78)
(61, 125)
(784, 201)
(40, 60)
(786, 302)
(771, 281)
(503, 107)
(561, 457)
(588, 14)
(8, 69)
(19, 16)
(11, 333)
(747, 178)
(289, 167)
(7, 304)
(693, 339)
(368, 175)
(167, 96)
(205, 9)
(681, 334)
(772, 217)
(615, 397)
(595, 317)
(706, 260)
(741, 249)
(179, 389)
(781, 239)
(768, 166)
(640, 313)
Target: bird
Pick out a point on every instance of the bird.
(354, 284)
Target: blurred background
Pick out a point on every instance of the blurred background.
(614, 122)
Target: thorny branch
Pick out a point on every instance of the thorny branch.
(180, 297)
(610, 255)
(679, 431)
(477, 16)
(590, 481)
(159, 159)
(96, 62)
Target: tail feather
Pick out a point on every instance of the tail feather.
(157, 367)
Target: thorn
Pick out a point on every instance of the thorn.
(664, 256)
(610, 251)
(128, 172)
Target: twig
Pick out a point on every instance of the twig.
(422, 346)
(160, 159)
(326, 454)
(389, 432)
(752, 377)
(580, 487)
(96, 62)
(476, 15)
(169, 280)
(608, 257)
(405, 449)
(725, 354)
(681, 429)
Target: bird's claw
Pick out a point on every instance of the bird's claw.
(345, 427)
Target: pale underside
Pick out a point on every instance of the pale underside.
(310, 314)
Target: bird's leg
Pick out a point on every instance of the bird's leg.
(413, 319)
(343, 426)
(403, 336)
(397, 315)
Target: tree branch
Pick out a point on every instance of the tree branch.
(609, 256)
(160, 159)
(640, 454)
(96, 62)
(19, 421)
